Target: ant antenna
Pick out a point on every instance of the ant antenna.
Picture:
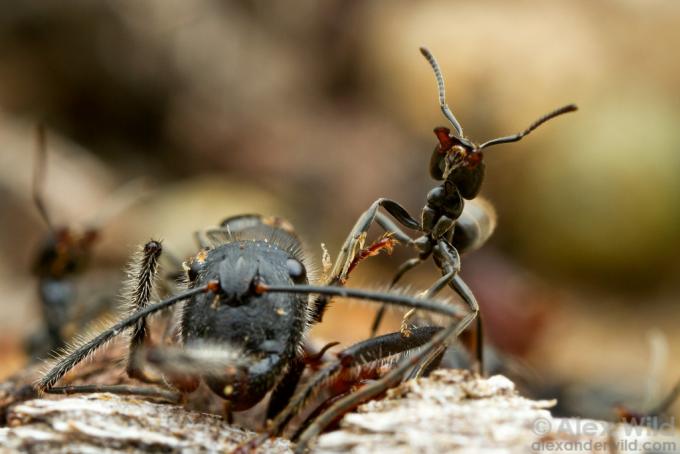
(534, 125)
(39, 174)
(442, 91)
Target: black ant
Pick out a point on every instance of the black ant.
(449, 226)
(64, 254)
(248, 304)
(251, 296)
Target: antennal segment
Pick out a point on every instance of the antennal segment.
(534, 125)
(442, 91)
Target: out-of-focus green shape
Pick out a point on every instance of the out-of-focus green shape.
(604, 200)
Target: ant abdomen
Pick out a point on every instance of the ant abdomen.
(475, 225)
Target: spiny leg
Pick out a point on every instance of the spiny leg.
(459, 323)
(389, 380)
(145, 274)
(285, 389)
(81, 352)
(366, 355)
(361, 353)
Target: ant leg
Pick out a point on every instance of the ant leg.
(285, 389)
(449, 261)
(430, 364)
(359, 354)
(123, 390)
(80, 352)
(145, 269)
(354, 242)
(403, 269)
(391, 227)
(358, 234)
(460, 321)
(389, 380)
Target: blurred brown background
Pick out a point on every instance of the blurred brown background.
(312, 110)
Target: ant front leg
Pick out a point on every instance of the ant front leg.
(358, 233)
(145, 270)
(459, 321)
(350, 249)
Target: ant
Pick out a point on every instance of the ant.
(248, 303)
(64, 254)
(448, 225)
(251, 296)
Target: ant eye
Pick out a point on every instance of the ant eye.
(296, 270)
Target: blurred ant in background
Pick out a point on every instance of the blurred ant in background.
(65, 253)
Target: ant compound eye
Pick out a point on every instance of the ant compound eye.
(296, 270)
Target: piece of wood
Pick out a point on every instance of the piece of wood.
(455, 411)
(108, 423)
(452, 411)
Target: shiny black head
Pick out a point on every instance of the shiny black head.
(458, 160)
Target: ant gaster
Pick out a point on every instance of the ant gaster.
(251, 297)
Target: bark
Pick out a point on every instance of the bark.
(452, 411)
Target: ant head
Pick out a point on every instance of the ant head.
(453, 153)
(455, 150)
(64, 252)
(458, 149)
